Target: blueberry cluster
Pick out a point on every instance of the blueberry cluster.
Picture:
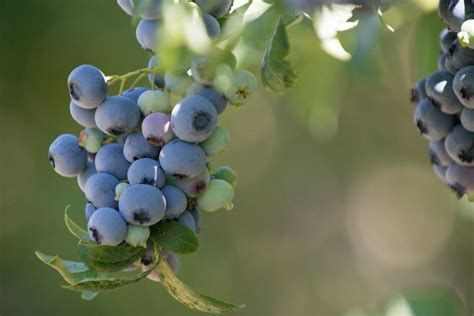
(444, 112)
(143, 159)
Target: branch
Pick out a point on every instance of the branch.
(469, 9)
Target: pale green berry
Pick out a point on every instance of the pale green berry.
(119, 189)
(91, 139)
(137, 235)
(227, 174)
(153, 101)
(217, 142)
(243, 85)
(218, 194)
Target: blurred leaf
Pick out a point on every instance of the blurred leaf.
(277, 72)
(71, 271)
(175, 237)
(75, 229)
(109, 258)
(188, 296)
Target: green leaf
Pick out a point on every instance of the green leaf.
(109, 258)
(175, 237)
(71, 271)
(75, 229)
(105, 284)
(278, 74)
(188, 296)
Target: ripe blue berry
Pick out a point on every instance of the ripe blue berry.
(85, 175)
(460, 146)
(452, 13)
(460, 179)
(467, 119)
(66, 156)
(147, 34)
(438, 154)
(431, 122)
(146, 171)
(447, 38)
(107, 227)
(194, 119)
(158, 77)
(87, 86)
(418, 92)
(117, 115)
(216, 98)
(463, 86)
(134, 93)
(110, 159)
(89, 210)
(439, 87)
(176, 201)
(216, 8)
(188, 220)
(212, 26)
(156, 129)
(182, 160)
(136, 147)
(100, 190)
(142, 205)
(84, 117)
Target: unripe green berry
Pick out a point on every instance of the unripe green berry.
(227, 174)
(466, 35)
(137, 235)
(153, 101)
(119, 189)
(218, 194)
(91, 139)
(217, 142)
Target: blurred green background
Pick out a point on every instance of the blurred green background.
(337, 208)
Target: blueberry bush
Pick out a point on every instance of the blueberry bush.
(143, 157)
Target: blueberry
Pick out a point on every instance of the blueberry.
(216, 98)
(158, 77)
(147, 34)
(448, 64)
(66, 156)
(197, 218)
(452, 13)
(84, 117)
(89, 210)
(87, 86)
(100, 190)
(142, 205)
(440, 171)
(460, 57)
(136, 147)
(85, 175)
(447, 38)
(194, 119)
(91, 139)
(460, 179)
(137, 235)
(110, 159)
(460, 146)
(438, 154)
(156, 129)
(442, 62)
(212, 26)
(146, 171)
(122, 186)
(216, 8)
(173, 261)
(467, 119)
(439, 87)
(418, 92)
(187, 220)
(244, 84)
(203, 69)
(126, 6)
(219, 194)
(176, 201)
(182, 160)
(117, 115)
(217, 142)
(153, 101)
(463, 86)
(134, 93)
(151, 10)
(194, 186)
(178, 83)
(227, 174)
(107, 227)
(431, 122)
